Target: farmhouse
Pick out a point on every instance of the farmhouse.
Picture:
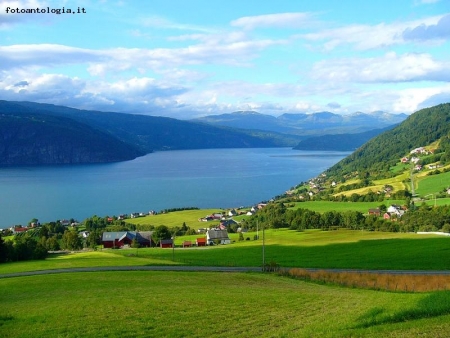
(217, 235)
(18, 229)
(226, 223)
(119, 239)
(166, 243)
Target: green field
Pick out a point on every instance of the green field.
(288, 248)
(188, 304)
(322, 206)
(213, 304)
(433, 184)
(172, 219)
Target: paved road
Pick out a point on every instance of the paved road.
(134, 268)
(208, 268)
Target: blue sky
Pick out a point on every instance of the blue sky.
(191, 58)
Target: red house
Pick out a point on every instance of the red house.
(166, 243)
(201, 241)
(121, 238)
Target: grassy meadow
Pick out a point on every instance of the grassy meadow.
(172, 219)
(186, 304)
(287, 248)
(322, 206)
(433, 184)
(213, 304)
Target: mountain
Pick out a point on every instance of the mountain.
(34, 139)
(423, 128)
(339, 142)
(35, 133)
(314, 124)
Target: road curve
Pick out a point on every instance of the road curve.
(211, 269)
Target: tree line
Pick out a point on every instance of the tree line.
(417, 218)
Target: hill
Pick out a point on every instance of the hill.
(48, 134)
(35, 139)
(376, 157)
(339, 142)
(305, 124)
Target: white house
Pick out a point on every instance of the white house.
(216, 234)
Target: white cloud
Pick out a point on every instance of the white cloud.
(216, 51)
(281, 20)
(164, 23)
(365, 37)
(438, 31)
(411, 100)
(389, 68)
(426, 2)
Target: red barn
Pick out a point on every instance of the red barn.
(121, 238)
(201, 241)
(166, 243)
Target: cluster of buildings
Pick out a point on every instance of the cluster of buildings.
(414, 159)
(124, 239)
(393, 212)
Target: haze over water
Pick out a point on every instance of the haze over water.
(212, 178)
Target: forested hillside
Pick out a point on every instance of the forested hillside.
(33, 139)
(34, 133)
(382, 152)
(339, 142)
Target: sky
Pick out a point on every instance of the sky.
(191, 58)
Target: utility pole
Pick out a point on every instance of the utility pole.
(263, 251)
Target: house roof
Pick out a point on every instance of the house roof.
(217, 234)
(143, 236)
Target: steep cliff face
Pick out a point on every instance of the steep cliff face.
(32, 139)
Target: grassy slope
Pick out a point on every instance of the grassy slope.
(322, 206)
(182, 304)
(177, 218)
(432, 184)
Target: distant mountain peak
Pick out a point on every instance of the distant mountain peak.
(246, 112)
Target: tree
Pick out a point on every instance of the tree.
(52, 243)
(135, 243)
(161, 232)
(27, 247)
(94, 238)
(3, 250)
(71, 241)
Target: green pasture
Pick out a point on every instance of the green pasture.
(210, 304)
(322, 206)
(176, 218)
(288, 248)
(82, 259)
(432, 184)
(319, 249)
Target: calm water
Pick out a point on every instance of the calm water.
(219, 178)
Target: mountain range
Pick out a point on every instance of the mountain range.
(35, 133)
(306, 124)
